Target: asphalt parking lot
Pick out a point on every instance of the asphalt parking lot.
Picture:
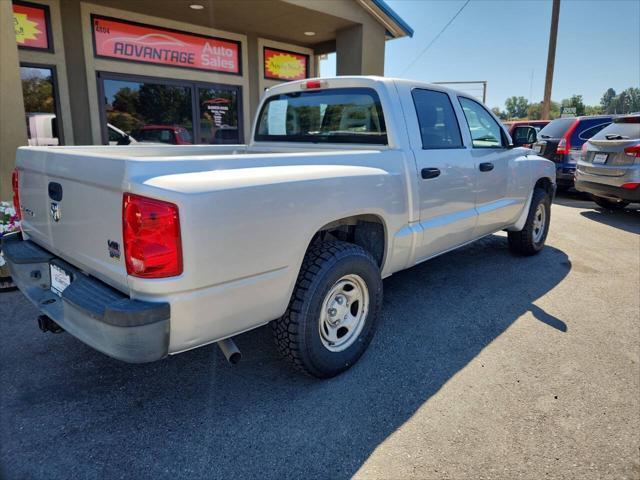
(485, 365)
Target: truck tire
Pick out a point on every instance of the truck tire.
(334, 309)
(530, 240)
(608, 203)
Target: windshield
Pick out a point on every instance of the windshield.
(337, 115)
(557, 128)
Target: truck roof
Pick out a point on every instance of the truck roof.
(358, 80)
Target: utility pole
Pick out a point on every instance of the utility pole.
(551, 59)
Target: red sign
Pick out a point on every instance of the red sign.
(282, 65)
(142, 43)
(31, 24)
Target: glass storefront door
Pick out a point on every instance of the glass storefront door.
(40, 104)
(152, 110)
(218, 114)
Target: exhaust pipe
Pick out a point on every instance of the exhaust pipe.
(46, 324)
(230, 350)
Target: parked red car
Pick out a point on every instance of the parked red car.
(172, 134)
(521, 131)
(537, 124)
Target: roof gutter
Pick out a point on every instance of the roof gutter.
(396, 27)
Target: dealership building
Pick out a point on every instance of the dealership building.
(173, 71)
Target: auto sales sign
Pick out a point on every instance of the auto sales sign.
(115, 38)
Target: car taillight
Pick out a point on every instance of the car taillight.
(583, 151)
(151, 234)
(565, 142)
(15, 181)
(633, 150)
(631, 185)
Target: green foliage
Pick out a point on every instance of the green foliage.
(627, 101)
(516, 107)
(38, 95)
(534, 112)
(499, 113)
(575, 101)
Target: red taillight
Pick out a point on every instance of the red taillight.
(565, 142)
(314, 84)
(631, 186)
(15, 181)
(633, 150)
(151, 234)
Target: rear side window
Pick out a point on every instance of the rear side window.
(619, 131)
(438, 124)
(333, 115)
(587, 129)
(485, 131)
(557, 128)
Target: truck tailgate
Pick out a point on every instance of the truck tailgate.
(72, 207)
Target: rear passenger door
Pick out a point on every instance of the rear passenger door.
(499, 196)
(446, 173)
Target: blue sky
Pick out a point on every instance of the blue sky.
(503, 41)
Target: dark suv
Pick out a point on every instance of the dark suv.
(562, 140)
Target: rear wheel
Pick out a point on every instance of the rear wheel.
(609, 203)
(530, 240)
(334, 309)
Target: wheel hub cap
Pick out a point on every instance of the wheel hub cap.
(539, 220)
(344, 312)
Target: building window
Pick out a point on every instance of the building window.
(151, 110)
(40, 104)
(148, 111)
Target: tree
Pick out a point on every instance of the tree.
(534, 112)
(516, 107)
(499, 113)
(627, 101)
(592, 110)
(38, 95)
(125, 100)
(575, 101)
(607, 101)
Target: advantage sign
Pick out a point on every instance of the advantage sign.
(143, 43)
(31, 25)
(282, 65)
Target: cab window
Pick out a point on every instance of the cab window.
(485, 130)
(438, 124)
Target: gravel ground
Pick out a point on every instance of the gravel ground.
(485, 365)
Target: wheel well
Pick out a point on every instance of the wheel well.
(366, 231)
(545, 184)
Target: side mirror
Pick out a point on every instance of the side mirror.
(124, 140)
(524, 135)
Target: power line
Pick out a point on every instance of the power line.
(435, 38)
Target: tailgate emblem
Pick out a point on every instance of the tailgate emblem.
(55, 212)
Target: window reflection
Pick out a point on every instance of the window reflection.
(40, 106)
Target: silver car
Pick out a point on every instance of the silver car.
(610, 165)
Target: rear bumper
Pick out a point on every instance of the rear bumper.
(100, 316)
(603, 190)
(565, 174)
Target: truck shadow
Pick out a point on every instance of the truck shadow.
(79, 413)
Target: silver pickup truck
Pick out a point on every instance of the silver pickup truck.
(144, 251)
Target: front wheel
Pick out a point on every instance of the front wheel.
(530, 240)
(334, 309)
(608, 203)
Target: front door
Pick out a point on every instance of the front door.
(446, 174)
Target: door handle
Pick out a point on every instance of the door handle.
(430, 173)
(486, 167)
